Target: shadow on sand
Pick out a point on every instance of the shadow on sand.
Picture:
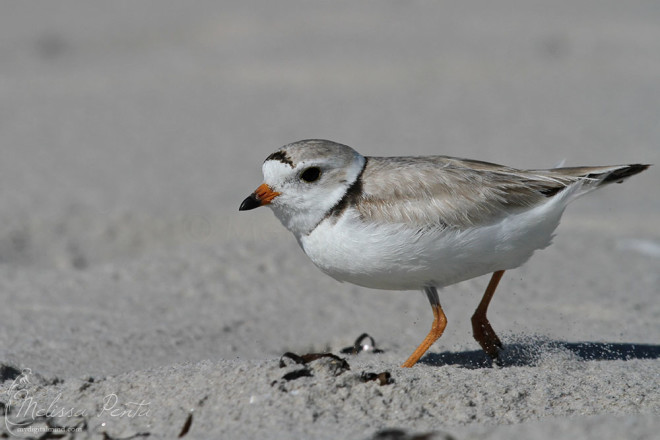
(529, 354)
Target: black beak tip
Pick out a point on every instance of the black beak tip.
(250, 202)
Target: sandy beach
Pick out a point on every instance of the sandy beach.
(138, 302)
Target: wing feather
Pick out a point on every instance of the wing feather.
(440, 191)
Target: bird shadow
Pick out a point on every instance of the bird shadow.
(532, 353)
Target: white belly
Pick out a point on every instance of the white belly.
(397, 257)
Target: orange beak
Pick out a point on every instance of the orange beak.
(260, 197)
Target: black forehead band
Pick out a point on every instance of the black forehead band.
(282, 157)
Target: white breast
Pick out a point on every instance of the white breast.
(396, 257)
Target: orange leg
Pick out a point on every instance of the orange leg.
(438, 326)
(481, 328)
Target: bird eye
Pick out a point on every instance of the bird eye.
(311, 174)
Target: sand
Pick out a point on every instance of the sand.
(138, 302)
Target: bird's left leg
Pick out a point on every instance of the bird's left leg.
(438, 326)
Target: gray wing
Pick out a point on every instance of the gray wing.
(440, 191)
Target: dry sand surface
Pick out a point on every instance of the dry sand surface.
(137, 302)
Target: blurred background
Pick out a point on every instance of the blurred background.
(129, 125)
(130, 132)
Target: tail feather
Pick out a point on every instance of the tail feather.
(621, 174)
(589, 178)
(606, 174)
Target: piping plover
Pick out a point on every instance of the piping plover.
(405, 223)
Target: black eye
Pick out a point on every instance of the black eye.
(311, 174)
